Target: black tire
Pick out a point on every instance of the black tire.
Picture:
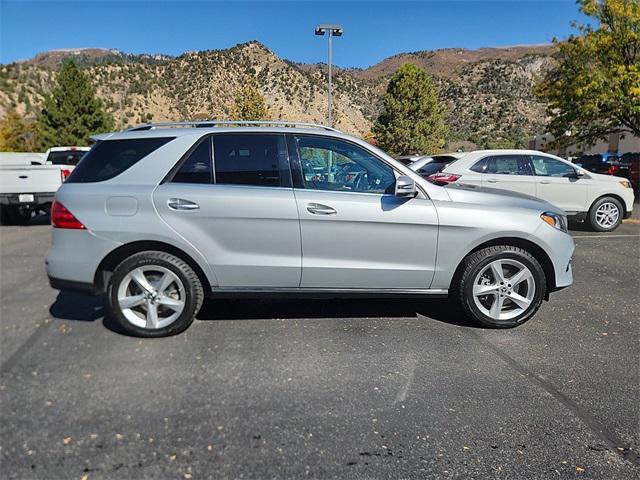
(473, 265)
(593, 222)
(12, 215)
(193, 292)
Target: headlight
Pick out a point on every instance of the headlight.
(625, 183)
(555, 220)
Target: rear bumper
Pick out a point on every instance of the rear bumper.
(60, 284)
(74, 257)
(38, 199)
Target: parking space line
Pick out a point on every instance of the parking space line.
(608, 437)
(606, 236)
(28, 343)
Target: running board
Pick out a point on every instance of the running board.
(328, 292)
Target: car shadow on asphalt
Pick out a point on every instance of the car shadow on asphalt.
(89, 308)
(251, 309)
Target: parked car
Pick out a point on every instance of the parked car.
(65, 155)
(632, 163)
(25, 189)
(160, 216)
(408, 159)
(602, 200)
(428, 165)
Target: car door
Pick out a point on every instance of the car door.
(509, 172)
(356, 234)
(238, 209)
(558, 183)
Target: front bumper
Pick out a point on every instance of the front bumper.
(560, 247)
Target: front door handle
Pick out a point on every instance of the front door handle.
(181, 204)
(545, 182)
(492, 180)
(319, 209)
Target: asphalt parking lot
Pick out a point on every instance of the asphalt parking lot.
(323, 389)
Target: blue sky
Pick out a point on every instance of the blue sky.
(374, 30)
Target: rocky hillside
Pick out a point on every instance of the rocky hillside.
(487, 91)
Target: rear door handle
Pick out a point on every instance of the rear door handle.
(492, 180)
(319, 209)
(181, 204)
(545, 182)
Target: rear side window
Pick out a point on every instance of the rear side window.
(197, 167)
(109, 158)
(508, 165)
(480, 166)
(251, 159)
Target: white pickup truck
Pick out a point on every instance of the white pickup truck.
(27, 187)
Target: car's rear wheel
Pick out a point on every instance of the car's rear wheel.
(501, 286)
(606, 214)
(154, 294)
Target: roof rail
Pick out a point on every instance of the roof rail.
(224, 123)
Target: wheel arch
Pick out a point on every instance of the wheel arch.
(533, 248)
(113, 259)
(612, 195)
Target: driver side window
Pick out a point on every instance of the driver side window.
(336, 165)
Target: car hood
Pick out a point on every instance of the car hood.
(494, 196)
(605, 178)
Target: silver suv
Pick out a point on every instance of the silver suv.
(163, 215)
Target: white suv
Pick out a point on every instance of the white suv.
(602, 200)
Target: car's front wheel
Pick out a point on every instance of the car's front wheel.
(501, 286)
(154, 294)
(606, 214)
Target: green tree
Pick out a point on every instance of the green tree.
(249, 105)
(595, 87)
(18, 134)
(72, 112)
(412, 121)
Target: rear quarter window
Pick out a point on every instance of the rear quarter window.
(110, 158)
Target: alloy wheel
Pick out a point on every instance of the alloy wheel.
(151, 297)
(607, 215)
(504, 289)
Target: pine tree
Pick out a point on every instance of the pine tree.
(72, 112)
(249, 105)
(18, 134)
(412, 121)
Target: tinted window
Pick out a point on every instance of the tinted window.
(434, 167)
(549, 167)
(197, 167)
(69, 157)
(250, 159)
(480, 166)
(508, 165)
(329, 164)
(112, 157)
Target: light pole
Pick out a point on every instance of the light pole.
(333, 31)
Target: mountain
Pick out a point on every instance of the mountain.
(488, 91)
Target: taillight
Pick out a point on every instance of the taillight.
(63, 218)
(442, 178)
(64, 174)
(613, 169)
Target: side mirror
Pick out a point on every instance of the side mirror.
(405, 187)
